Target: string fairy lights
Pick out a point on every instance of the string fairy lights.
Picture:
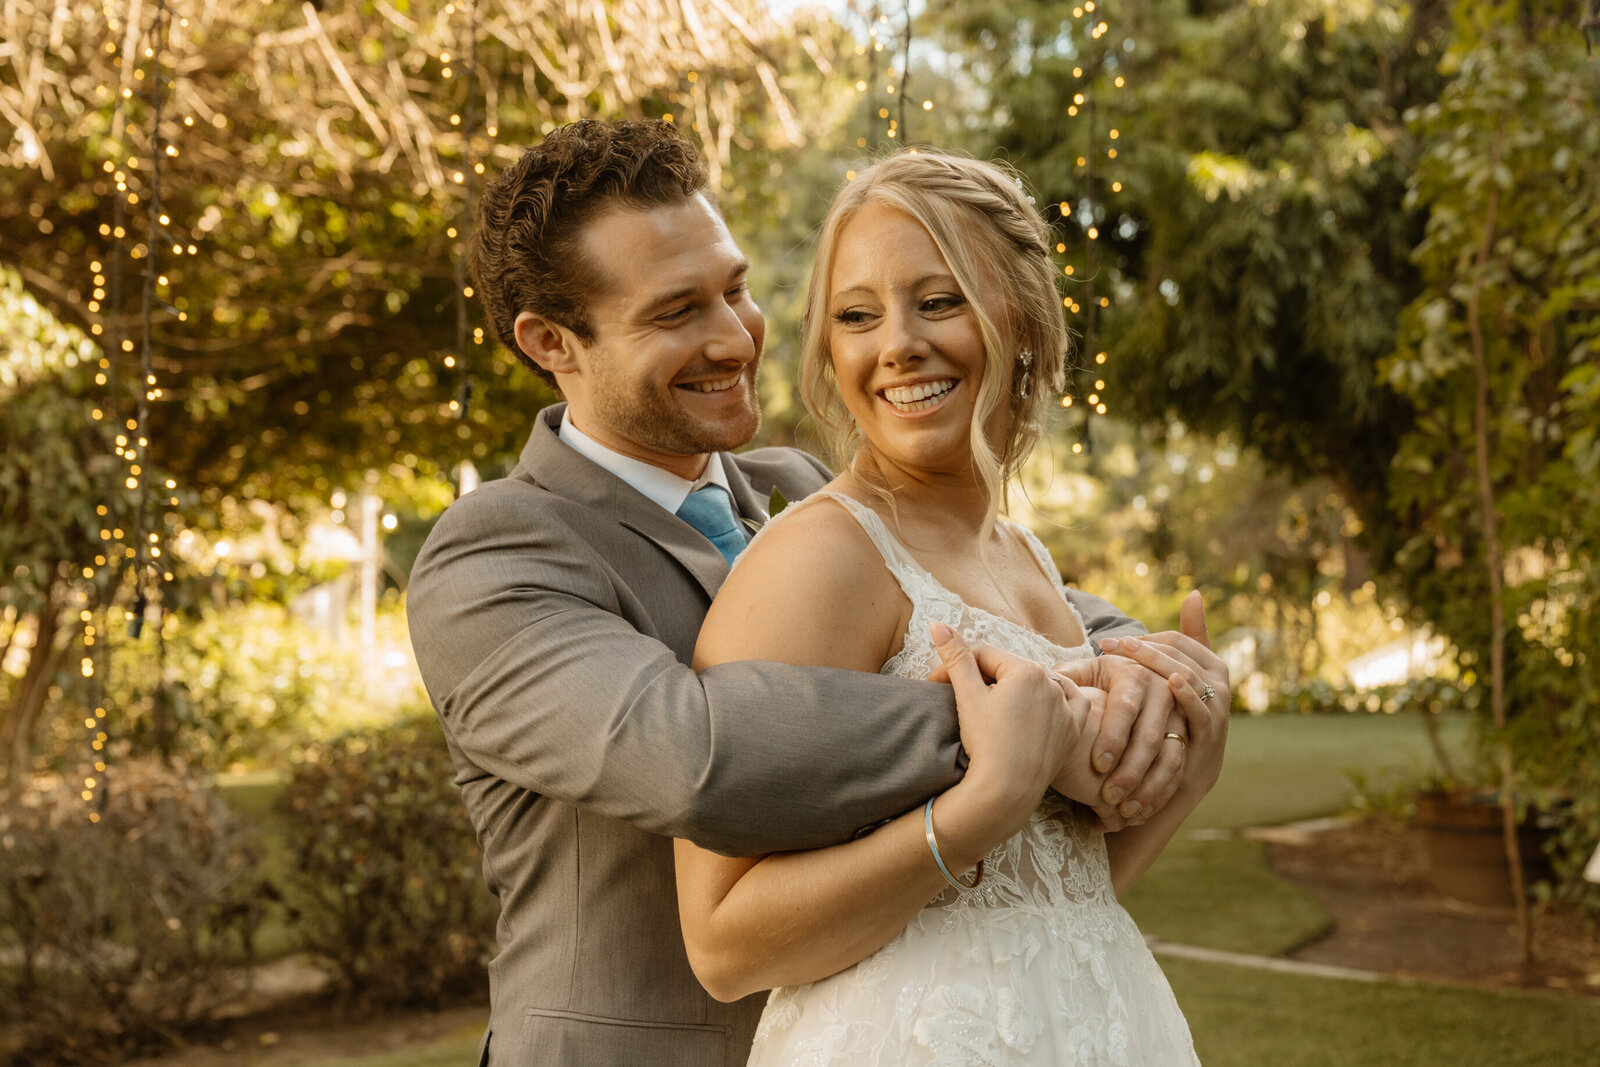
(888, 119)
(131, 546)
(1098, 73)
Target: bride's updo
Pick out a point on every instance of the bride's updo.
(997, 247)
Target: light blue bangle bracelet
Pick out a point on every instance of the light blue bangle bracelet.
(933, 846)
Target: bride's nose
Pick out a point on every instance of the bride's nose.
(902, 341)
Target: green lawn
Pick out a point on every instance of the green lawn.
(1222, 895)
(451, 1053)
(1281, 768)
(1247, 1018)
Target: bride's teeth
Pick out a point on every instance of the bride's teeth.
(917, 397)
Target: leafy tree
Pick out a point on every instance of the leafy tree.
(269, 200)
(65, 529)
(1357, 239)
(315, 168)
(1500, 356)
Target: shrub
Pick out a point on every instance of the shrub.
(247, 683)
(118, 934)
(385, 878)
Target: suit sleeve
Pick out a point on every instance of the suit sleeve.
(541, 680)
(1102, 619)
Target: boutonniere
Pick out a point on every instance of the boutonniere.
(776, 502)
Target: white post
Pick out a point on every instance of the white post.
(370, 506)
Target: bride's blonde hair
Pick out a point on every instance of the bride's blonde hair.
(997, 247)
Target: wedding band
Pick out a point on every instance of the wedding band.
(1184, 741)
(1206, 694)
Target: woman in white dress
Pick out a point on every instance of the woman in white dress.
(982, 928)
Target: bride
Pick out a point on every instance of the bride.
(983, 927)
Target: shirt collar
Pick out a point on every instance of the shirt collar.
(663, 487)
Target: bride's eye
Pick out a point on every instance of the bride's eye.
(943, 302)
(850, 317)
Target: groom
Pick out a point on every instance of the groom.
(554, 613)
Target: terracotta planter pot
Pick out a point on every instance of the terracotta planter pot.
(1465, 849)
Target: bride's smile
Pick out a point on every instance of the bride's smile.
(906, 343)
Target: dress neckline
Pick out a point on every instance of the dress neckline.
(869, 518)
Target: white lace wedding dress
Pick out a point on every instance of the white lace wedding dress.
(1038, 965)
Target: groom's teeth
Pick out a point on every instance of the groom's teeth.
(918, 397)
(713, 387)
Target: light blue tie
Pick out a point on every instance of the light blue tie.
(709, 510)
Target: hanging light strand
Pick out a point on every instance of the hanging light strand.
(1104, 75)
(471, 166)
(146, 542)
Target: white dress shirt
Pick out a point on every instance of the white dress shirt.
(664, 487)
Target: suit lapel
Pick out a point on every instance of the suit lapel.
(551, 464)
(747, 499)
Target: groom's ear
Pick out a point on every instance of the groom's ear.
(549, 344)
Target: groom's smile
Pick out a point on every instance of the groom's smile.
(669, 374)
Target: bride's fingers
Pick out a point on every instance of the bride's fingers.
(1192, 651)
(959, 665)
(1162, 657)
(1152, 654)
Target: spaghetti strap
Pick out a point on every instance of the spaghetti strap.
(906, 570)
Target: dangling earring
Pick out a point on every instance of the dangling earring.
(1024, 374)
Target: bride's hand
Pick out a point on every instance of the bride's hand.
(1019, 727)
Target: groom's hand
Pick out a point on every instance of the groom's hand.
(1141, 712)
(1141, 772)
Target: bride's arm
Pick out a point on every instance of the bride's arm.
(814, 591)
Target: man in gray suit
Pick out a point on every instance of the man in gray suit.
(554, 613)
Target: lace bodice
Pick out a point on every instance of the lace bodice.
(1037, 965)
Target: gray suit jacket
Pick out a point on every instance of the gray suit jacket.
(554, 613)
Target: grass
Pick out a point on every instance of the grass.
(1247, 1018)
(1222, 895)
(450, 1053)
(1282, 768)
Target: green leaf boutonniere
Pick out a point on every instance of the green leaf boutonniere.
(775, 503)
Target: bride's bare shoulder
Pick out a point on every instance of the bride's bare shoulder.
(811, 589)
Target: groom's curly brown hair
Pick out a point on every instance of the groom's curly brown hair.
(525, 253)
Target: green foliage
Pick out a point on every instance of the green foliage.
(1312, 210)
(322, 165)
(1423, 695)
(1509, 176)
(117, 934)
(58, 463)
(1148, 521)
(1248, 230)
(386, 881)
(251, 683)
